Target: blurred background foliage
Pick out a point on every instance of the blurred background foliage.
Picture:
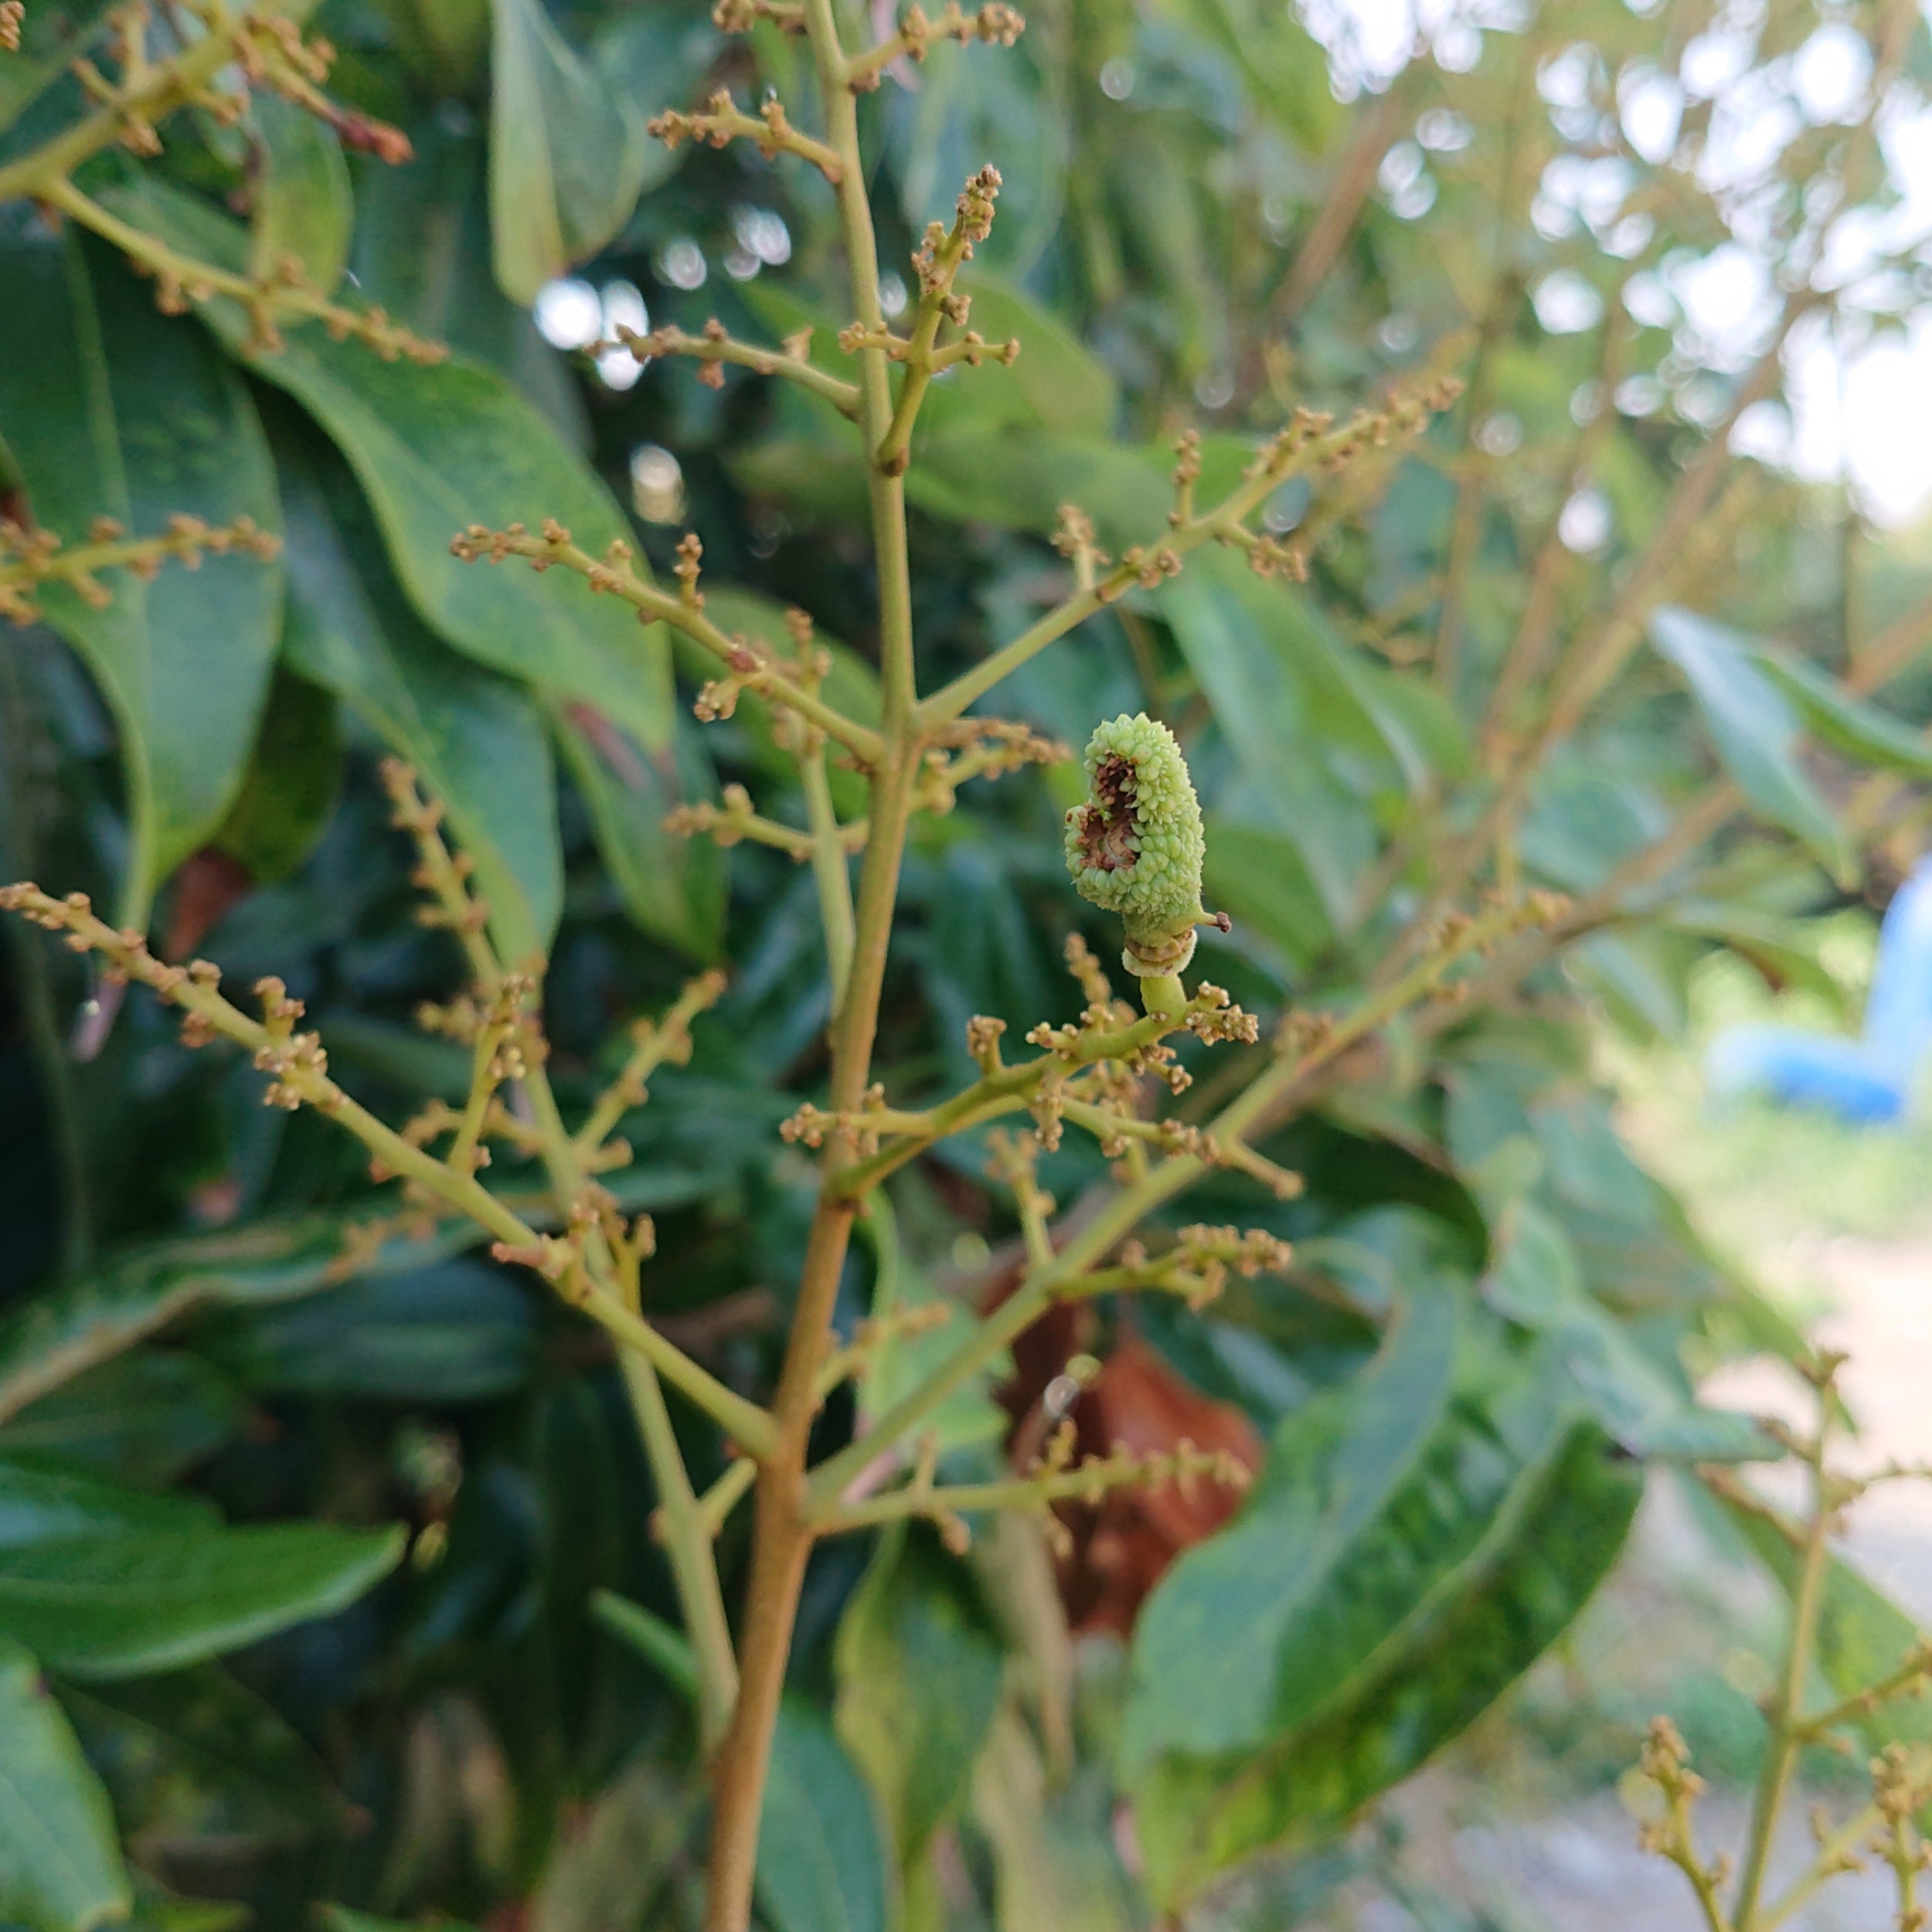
(1610, 220)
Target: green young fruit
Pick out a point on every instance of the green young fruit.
(1136, 846)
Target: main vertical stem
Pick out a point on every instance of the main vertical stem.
(782, 1533)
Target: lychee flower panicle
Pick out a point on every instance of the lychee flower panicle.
(1135, 847)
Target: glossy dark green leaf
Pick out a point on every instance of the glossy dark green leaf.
(201, 1723)
(108, 409)
(920, 1672)
(303, 208)
(290, 789)
(60, 1869)
(436, 450)
(672, 886)
(1753, 724)
(55, 1336)
(40, 1504)
(1548, 1548)
(458, 1332)
(1416, 1539)
(138, 1418)
(477, 741)
(121, 1605)
(1253, 1631)
(567, 152)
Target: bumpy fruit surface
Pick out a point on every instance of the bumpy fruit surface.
(1136, 847)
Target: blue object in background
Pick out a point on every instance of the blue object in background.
(1867, 1079)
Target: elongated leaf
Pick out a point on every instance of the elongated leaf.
(60, 1869)
(1057, 383)
(304, 207)
(55, 1336)
(42, 1505)
(919, 1682)
(477, 741)
(139, 1418)
(1054, 1861)
(1752, 725)
(293, 779)
(1252, 1632)
(821, 1865)
(1845, 723)
(821, 1862)
(436, 450)
(147, 1600)
(567, 152)
(1301, 724)
(1536, 1280)
(110, 410)
(458, 1332)
(1550, 1547)
(203, 1722)
(1862, 1635)
(672, 886)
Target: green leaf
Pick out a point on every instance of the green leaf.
(140, 1418)
(43, 1505)
(121, 1605)
(920, 1672)
(1862, 1635)
(1414, 1543)
(201, 1723)
(422, 249)
(436, 450)
(1845, 723)
(1535, 1279)
(821, 1864)
(304, 207)
(1752, 725)
(666, 1649)
(1057, 383)
(458, 1332)
(54, 1336)
(1552, 1539)
(1251, 1632)
(672, 886)
(567, 152)
(477, 741)
(289, 794)
(60, 1869)
(1054, 1863)
(109, 408)
(1307, 727)
(970, 1415)
(50, 37)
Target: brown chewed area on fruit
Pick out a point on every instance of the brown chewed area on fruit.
(1108, 830)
